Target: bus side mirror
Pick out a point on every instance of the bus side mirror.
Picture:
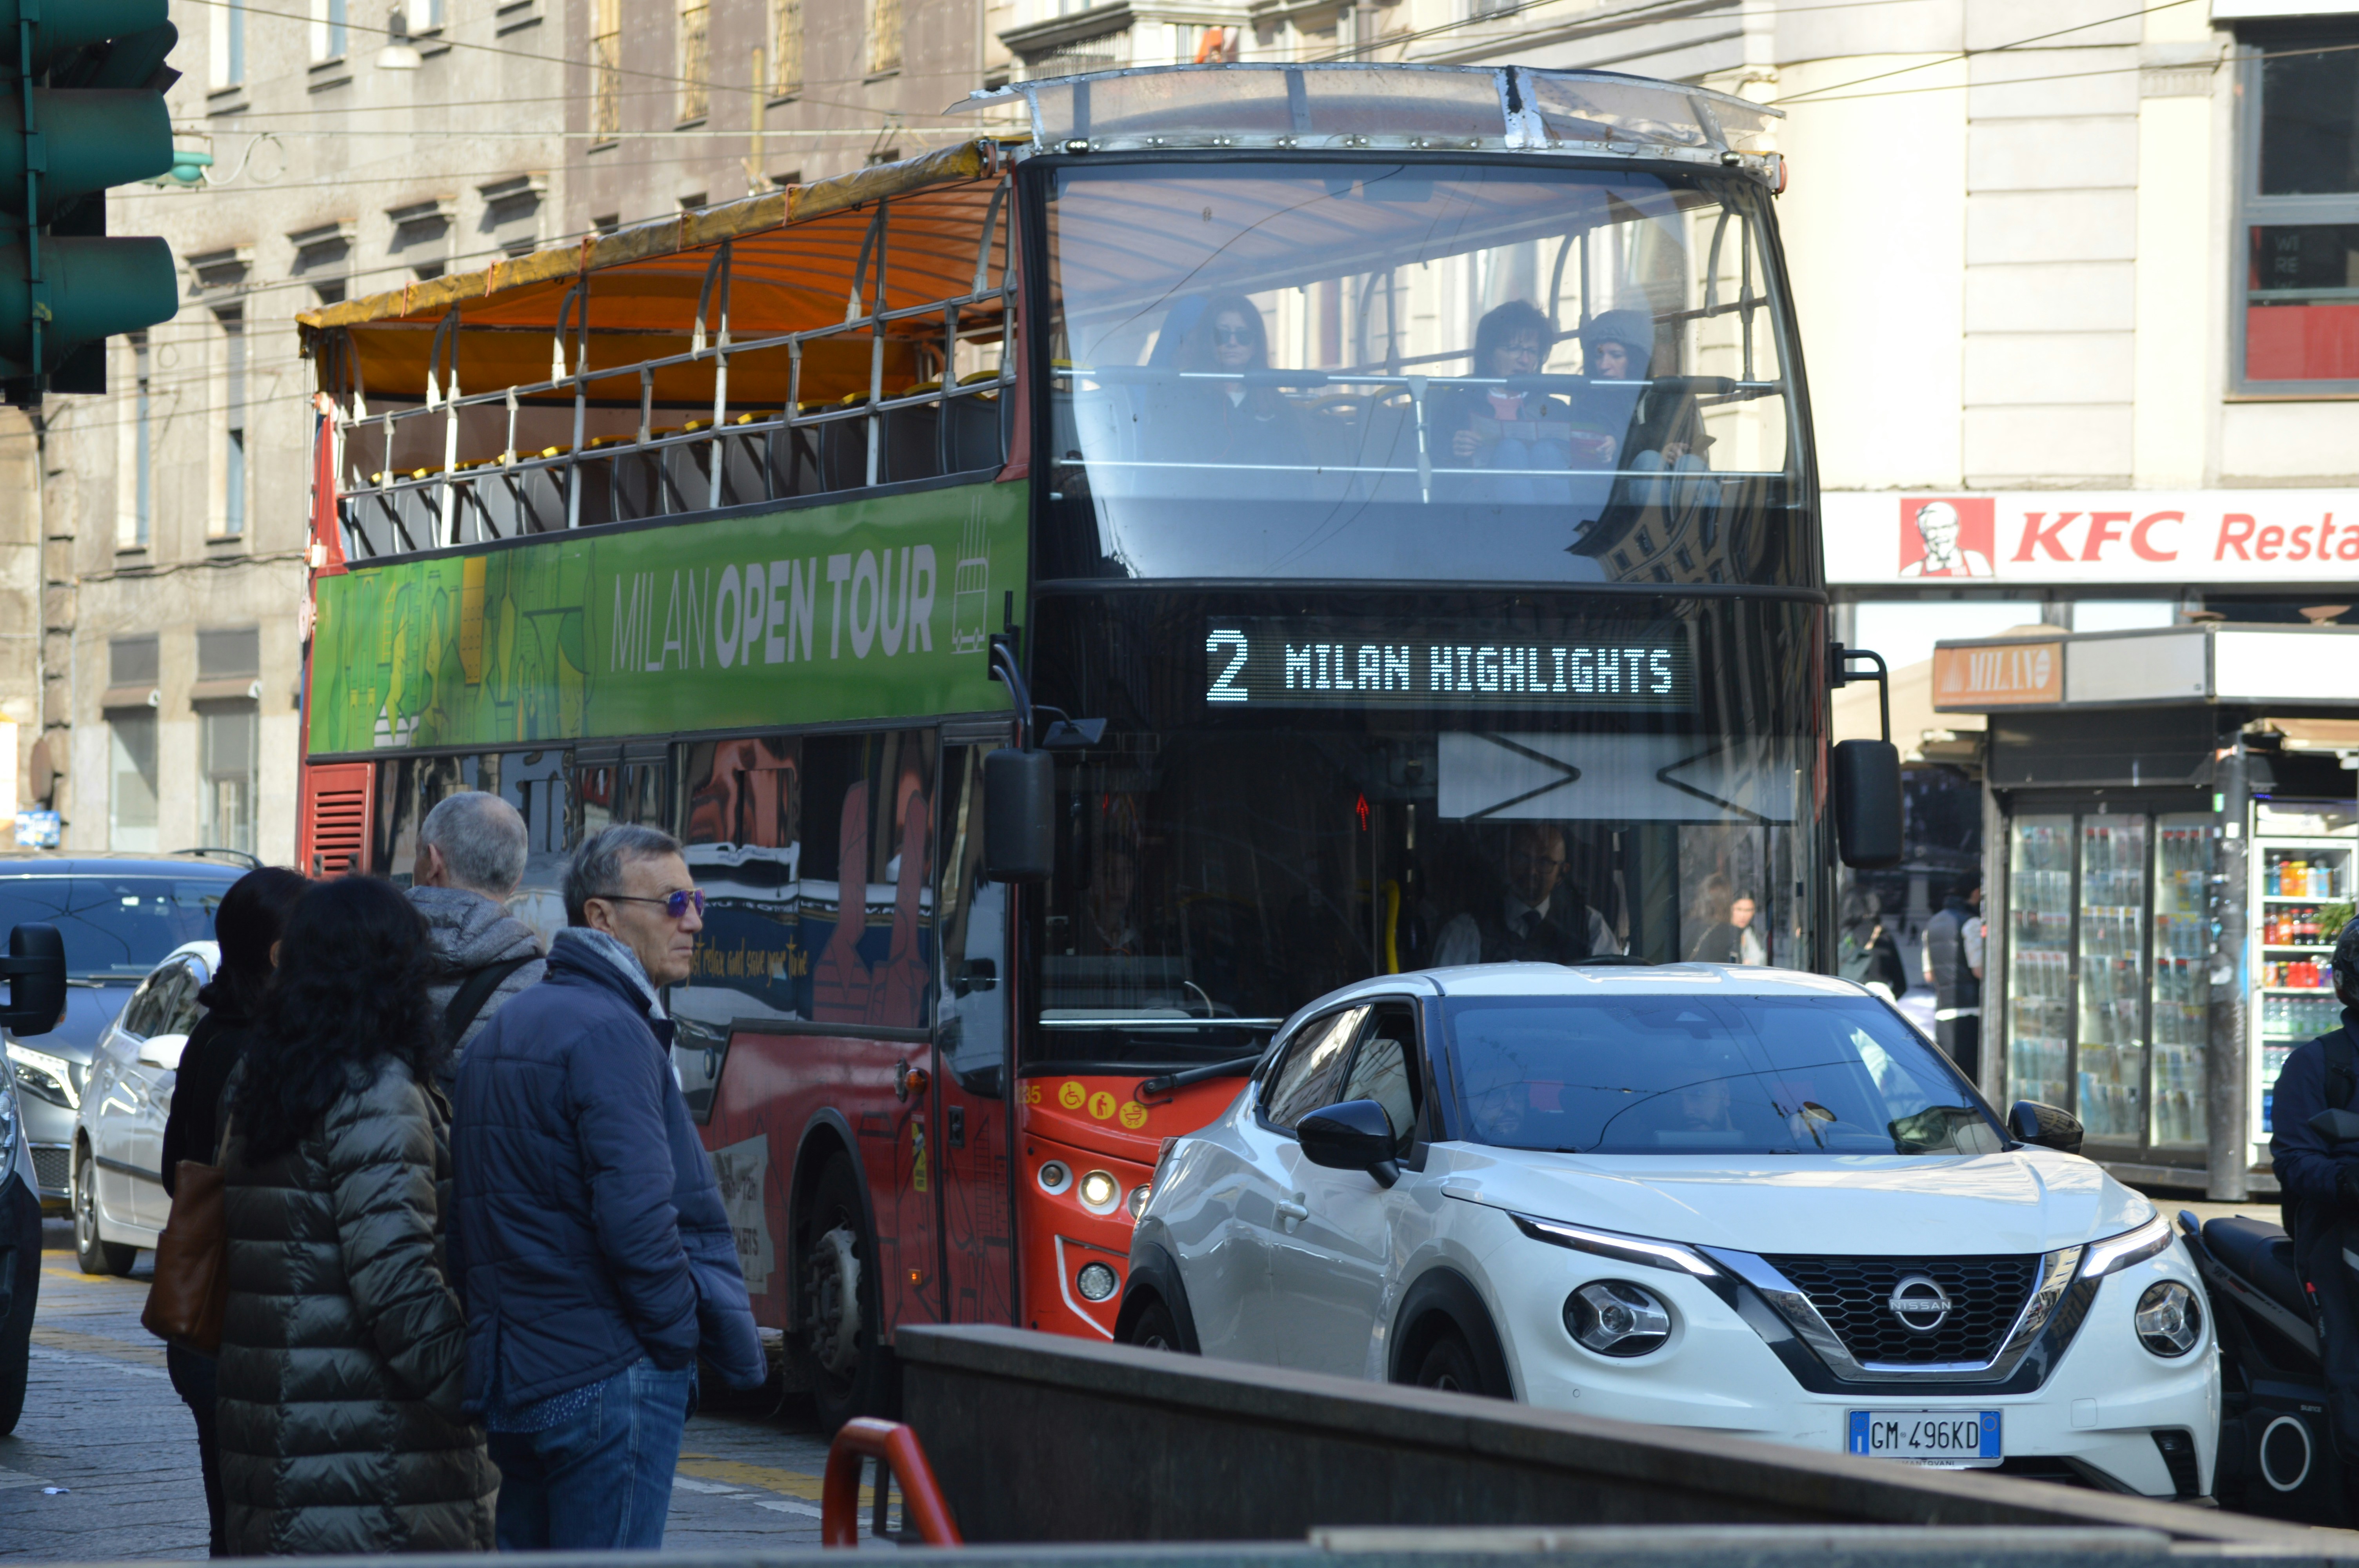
(1019, 815)
(1867, 803)
(36, 971)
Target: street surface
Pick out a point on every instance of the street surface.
(103, 1465)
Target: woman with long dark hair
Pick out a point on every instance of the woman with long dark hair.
(343, 1362)
(1233, 421)
(246, 928)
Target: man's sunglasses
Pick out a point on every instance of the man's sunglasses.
(675, 904)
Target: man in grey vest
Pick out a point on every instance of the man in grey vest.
(1953, 968)
(471, 860)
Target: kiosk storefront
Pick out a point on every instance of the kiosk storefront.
(2171, 852)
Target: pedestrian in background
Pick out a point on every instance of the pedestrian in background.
(246, 928)
(471, 858)
(596, 1254)
(342, 1360)
(1952, 966)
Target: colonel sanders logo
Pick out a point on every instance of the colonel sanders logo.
(1946, 537)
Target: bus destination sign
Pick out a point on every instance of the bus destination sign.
(1256, 661)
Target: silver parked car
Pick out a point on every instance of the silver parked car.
(119, 1203)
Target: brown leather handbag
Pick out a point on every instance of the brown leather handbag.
(191, 1289)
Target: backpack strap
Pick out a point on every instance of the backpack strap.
(477, 990)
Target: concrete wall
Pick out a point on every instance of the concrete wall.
(1039, 1437)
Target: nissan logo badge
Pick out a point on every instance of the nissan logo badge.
(1919, 1304)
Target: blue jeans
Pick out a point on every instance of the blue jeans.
(601, 1479)
(1521, 489)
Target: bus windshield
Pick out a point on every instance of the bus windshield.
(1294, 796)
(1401, 370)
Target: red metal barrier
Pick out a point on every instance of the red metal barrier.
(863, 1438)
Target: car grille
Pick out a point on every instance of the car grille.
(53, 1168)
(1854, 1295)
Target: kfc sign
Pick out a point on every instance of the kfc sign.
(2035, 539)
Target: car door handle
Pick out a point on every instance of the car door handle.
(1292, 1214)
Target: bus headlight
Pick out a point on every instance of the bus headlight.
(1100, 1192)
(1095, 1282)
(1138, 1197)
(1614, 1317)
(2169, 1323)
(1055, 1177)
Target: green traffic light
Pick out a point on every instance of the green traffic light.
(72, 24)
(94, 138)
(96, 287)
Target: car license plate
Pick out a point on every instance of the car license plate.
(1928, 1437)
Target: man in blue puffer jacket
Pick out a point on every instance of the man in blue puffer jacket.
(587, 1228)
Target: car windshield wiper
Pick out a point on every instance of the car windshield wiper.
(1171, 1081)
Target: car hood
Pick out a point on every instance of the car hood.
(2025, 1200)
(89, 1011)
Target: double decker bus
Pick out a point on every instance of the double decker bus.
(1388, 488)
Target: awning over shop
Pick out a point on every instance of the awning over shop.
(2309, 666)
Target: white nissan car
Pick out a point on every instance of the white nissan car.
(1749, 1200)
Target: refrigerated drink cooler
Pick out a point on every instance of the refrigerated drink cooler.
(2108, 989)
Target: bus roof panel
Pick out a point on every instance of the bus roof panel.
(1345, 105)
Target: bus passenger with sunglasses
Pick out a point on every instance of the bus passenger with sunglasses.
(596, 1256)
(1220, 416)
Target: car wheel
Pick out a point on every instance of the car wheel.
(1448, 1365)
(836, 1300)
(1153, 1328)
(96, 1254)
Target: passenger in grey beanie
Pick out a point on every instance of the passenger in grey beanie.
(471, 858)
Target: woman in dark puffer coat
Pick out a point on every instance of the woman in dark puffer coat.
(343, 1349)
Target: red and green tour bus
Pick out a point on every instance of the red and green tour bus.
(1392, 483)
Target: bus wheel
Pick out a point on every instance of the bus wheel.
(837, 1303)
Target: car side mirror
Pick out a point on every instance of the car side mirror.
(2336, 1126)
(2032, 1122)
(1867, 780)
(1019, 815)
(1355, 1135)
(36, 971)
(163, 1050)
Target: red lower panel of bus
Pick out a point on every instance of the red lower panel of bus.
(938, 1182)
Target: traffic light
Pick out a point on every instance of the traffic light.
(81, 109)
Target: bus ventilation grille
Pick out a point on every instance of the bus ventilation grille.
(336, 819)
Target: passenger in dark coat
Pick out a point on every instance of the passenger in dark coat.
(343, 1363)
(2320, 1184)
(245, 927)
(596, 1256)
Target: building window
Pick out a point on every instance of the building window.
(229, 45)
(132, 670)
(234, 447)
(328, 41)
(228, 663)
(883, 37)
(606, 69)
(230, 765)
(694, 60)
(2299, 326)
(786, 71)
(131, 523)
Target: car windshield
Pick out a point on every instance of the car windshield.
(115, 927)
(1660, 1074)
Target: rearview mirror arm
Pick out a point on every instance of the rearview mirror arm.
(1840, 676)
(1002, 668)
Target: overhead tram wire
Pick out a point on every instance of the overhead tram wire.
(1809, 94)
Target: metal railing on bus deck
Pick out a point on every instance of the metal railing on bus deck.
(433, 501)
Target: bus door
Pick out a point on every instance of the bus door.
(873, 973)
(971, 1060)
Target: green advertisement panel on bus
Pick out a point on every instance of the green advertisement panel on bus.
(873, 608)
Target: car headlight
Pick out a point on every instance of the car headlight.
(51, 1078)
(1096, 1282)
(1100, 1192)
(1055, 1177)
(2130, 1247)
(2169, 1320)
(1614, 1317)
